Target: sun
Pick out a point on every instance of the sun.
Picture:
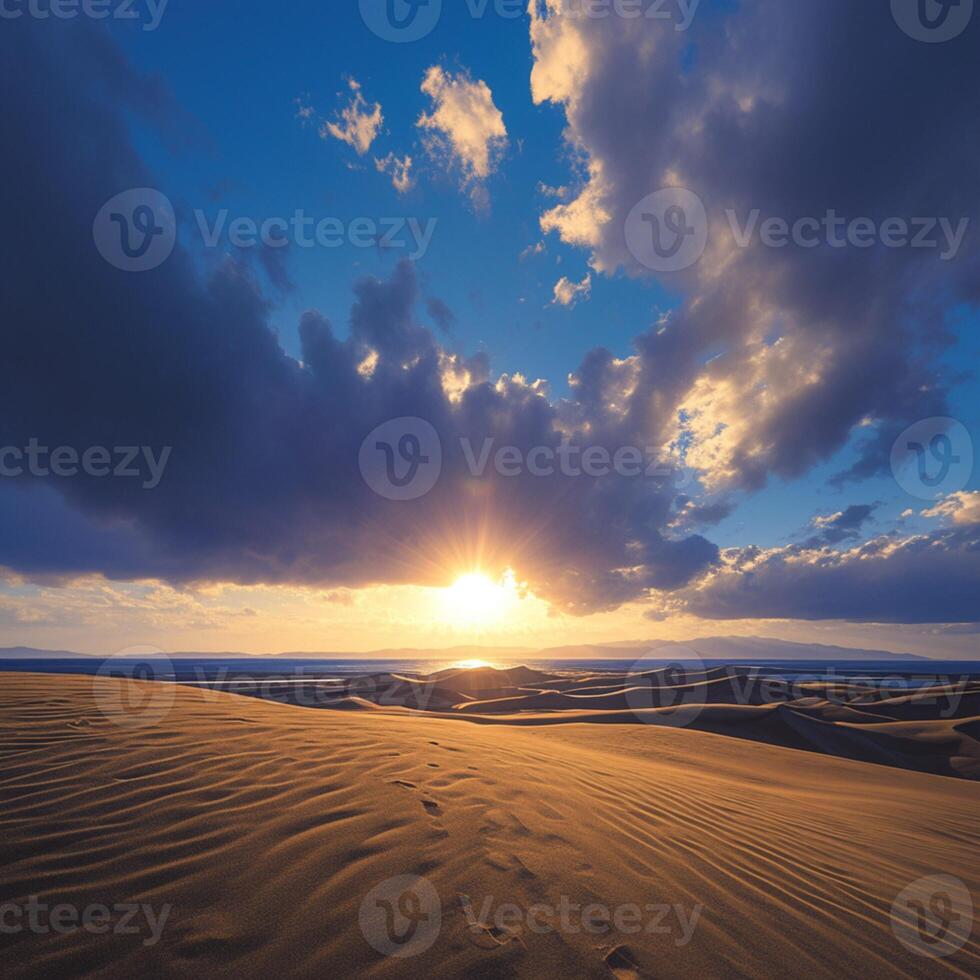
(476, 601)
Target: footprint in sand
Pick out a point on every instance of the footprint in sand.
(622, 963)
(431, 807)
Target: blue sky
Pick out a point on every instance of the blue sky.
(242, 86)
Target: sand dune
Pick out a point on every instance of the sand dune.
(264, 828)
(926, 728)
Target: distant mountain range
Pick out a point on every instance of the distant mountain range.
(709, 648)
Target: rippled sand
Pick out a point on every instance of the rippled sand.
(264, 828)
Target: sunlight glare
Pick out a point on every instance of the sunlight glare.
(474, 600)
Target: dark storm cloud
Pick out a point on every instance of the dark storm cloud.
(263, 483)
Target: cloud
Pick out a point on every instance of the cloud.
(399, 169)
(845, 525)
(356, 124)
(960, 508)
(693, 514)
(464, 129)
(568, 293)
(305, 111)
(546, 190)
(924, 579)
(441, 313)
(776, 358)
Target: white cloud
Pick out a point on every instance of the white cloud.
(536, 249)
(546, 190)
(465, 128)
(581, 221)
(304, 110)
(356, 124)
(568, 293)
(399, 169)
(960, 508)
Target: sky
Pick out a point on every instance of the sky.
(706, 274)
